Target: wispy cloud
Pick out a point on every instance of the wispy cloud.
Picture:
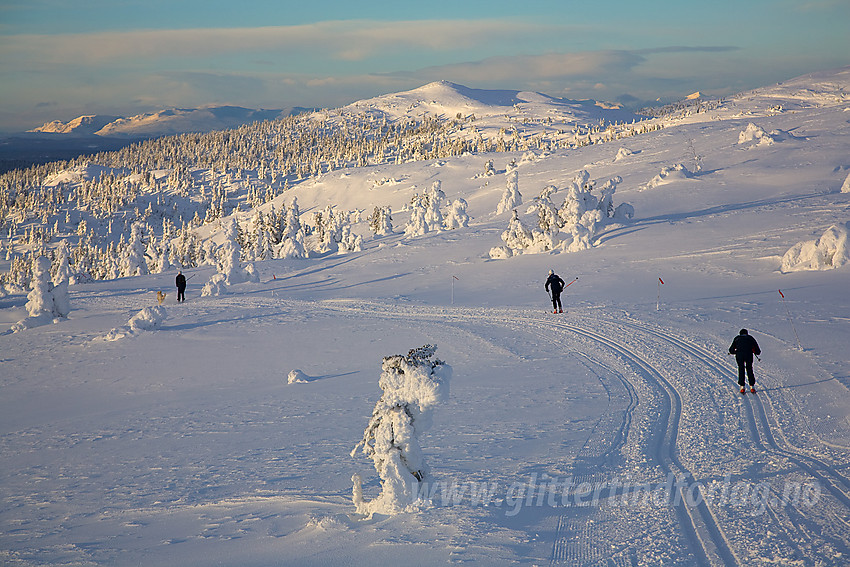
(340, 40)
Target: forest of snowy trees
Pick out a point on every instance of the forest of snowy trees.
(137, 210)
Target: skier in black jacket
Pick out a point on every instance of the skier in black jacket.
(557, 285)
(744, 347)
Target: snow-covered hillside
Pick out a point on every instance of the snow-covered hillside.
(220, 430)
(162, 122)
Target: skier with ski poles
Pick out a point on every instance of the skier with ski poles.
(744, 347)
(556, 284)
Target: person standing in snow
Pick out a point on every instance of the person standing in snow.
(557, 286)
(744, 347)
(181, 286)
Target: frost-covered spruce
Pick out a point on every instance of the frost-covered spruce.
(457, 217)
(433, 203)
(381, 221)
(40, 297)
(43, 305)
(417, 225)
(511, 198)
(230, 271)
(412, 385)
(292, 237)
(133, 262)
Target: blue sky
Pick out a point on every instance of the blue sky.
(60, 59)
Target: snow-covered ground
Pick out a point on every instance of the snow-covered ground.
(611, 434)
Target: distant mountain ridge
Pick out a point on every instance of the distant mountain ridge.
(447, 100)
(164, 122)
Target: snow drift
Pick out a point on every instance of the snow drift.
(825, 253)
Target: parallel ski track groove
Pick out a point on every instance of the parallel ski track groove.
(760, 418)
(700, 527)
(709, 544)
(759, 424)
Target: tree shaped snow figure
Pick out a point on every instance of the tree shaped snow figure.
(44, 301)
(412, 385)
(511, 198)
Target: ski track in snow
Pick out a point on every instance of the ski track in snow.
(672, 409)
(711, 536)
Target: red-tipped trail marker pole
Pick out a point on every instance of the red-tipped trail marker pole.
(658, 299)
(788, 312)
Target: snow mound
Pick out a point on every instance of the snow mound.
(668, 174)
(148, 319)
(296, 376)
(829, 251)
(753, 133)
(623, 153)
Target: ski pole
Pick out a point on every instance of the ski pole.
(788, 312)
(571, 283)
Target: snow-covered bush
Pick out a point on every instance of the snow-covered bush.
(296, 376)
(570, 228)
(678, 171)
(457, 217)
(148, 319)
(831, 250)
(622, 153)
(412, 385)
(511, 198)
(215, 286)
(754, 133)
(381, 221)
(845, 188)
(350, 242)
(333, 232)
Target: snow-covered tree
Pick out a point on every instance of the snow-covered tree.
(511, 198)
(457, 217)
(292, 235)
(164, 261)
(61, 268)
(230, 271)
(412, 385)
(831, 250)
(381, 221)
(417, 225)
(43, 305)
(516, 238)
(133, 262)
(433, 204)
